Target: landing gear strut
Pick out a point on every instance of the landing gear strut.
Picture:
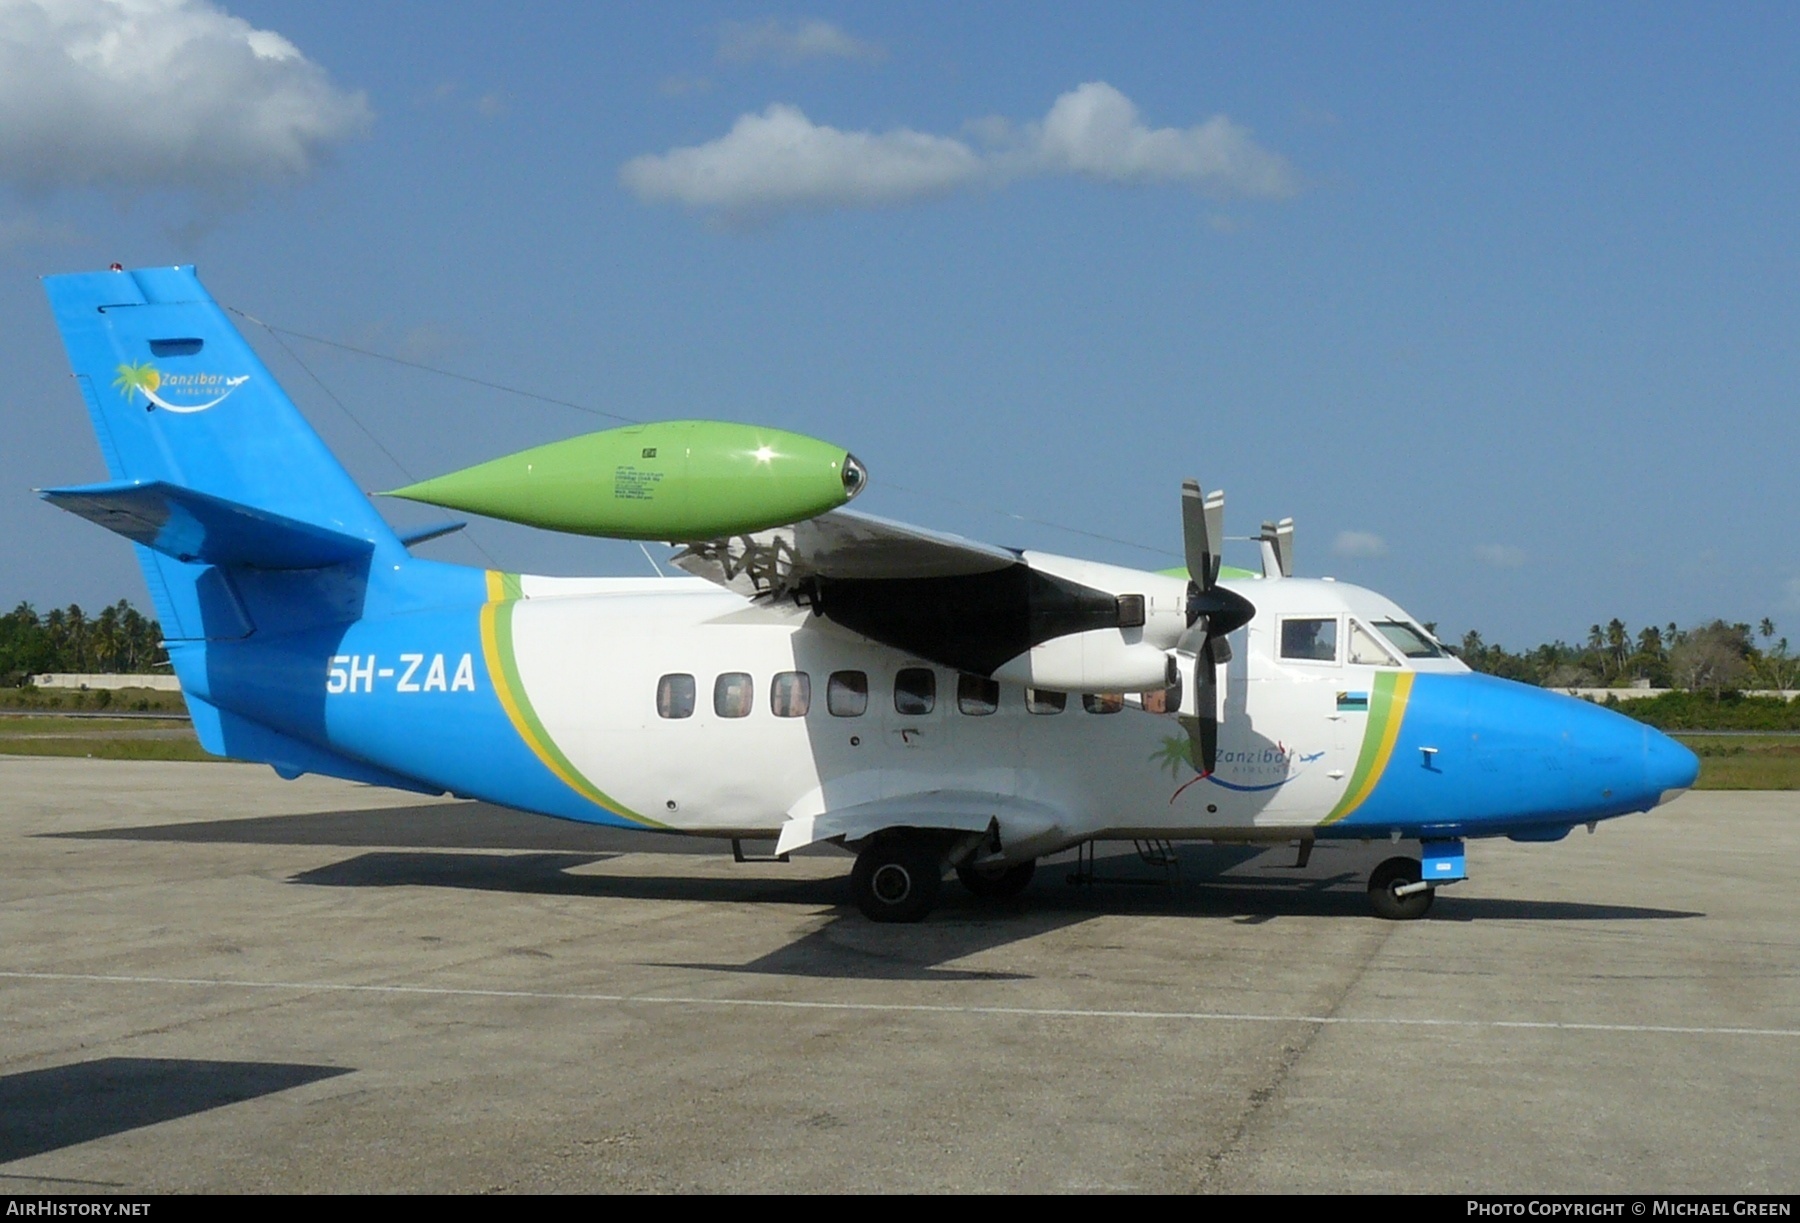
(1396, 892)
(897, 876)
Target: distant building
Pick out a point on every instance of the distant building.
(160, 683)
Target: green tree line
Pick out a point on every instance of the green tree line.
(119, 639)
(1715, 658)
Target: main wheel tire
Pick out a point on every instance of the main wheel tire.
(1002, 884)
(1391, 875)
(896, 878)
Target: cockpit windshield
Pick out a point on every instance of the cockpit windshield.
(1409, 639)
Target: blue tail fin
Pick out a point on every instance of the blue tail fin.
(213, 466)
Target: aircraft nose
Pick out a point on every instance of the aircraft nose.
(1547, 759)
(1670, 769)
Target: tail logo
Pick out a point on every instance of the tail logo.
(185, 393)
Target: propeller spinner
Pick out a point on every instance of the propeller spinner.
(1212, 612)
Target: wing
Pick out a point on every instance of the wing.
(969, 606)
(838, 546)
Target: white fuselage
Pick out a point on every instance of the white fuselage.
(592, 654)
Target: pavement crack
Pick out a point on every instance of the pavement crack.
(1216, 1165)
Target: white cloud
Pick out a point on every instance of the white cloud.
(1361, 544)
(128, 94)
(781, 160)
(742, 42)
(1790, 591)
(1095, 130)
(1500, 556)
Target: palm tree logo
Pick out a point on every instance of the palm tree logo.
(1176, 755)
(148, 379)
(133, 378)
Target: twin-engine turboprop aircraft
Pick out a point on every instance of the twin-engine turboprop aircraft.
(930, 702)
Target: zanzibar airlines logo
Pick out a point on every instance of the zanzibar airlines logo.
(1246, 771)
(176, 392)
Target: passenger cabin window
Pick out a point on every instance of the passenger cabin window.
(733, 694)
(1310, 640)
(790, 696)
(1366, 651)
(1409, 639)
(675, 696)
(1102, 702)
(976, 696)
(915, 691)
(1039, 701)
(847, 694)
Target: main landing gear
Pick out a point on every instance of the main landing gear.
(897, 876)
(997, 883)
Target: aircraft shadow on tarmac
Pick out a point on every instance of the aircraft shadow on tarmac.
(440, 845)
(46, 1110)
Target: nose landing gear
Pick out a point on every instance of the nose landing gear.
(1397, 892)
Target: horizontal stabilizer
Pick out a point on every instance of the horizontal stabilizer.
(196, 527)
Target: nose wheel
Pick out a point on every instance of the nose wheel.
(1395, 890)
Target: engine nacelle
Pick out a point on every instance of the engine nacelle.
(1100, 660)
(680, 480)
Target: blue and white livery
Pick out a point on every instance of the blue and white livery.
(928, 701)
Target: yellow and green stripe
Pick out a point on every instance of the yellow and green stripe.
(503, 593)
(1387, 710)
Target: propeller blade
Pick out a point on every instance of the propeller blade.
(1193, 528)
(1203, 726)
(1202, 532)
(1215, 534)
(1277, 539)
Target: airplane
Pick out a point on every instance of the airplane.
(934, 704)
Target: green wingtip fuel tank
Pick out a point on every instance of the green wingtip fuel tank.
(678, 480)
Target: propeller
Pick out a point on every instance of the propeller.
(1212, 612)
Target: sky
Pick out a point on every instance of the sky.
(1500, 303)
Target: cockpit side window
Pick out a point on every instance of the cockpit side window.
(1409, 639)
(1310, 638)
(1366, 651)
